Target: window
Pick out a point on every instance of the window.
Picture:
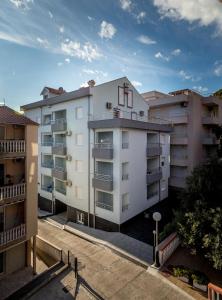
(78, 192)
(45, 96)
(130, 99)
(121, 99)
(79, 113)
(60, 186)
(125, 171)
(125, 139)
(47, 119)
(79, 165)
(163, 185)
(79, 217)
(125, 201)
(79, 139)
(104, 200)
(2, 133)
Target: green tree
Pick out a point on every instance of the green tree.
(199, 219)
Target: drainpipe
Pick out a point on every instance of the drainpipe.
(89, 150)
(161, 170)
(94, 190)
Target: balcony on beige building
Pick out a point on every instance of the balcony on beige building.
(12, 148)
(12, 193)
(13, 234)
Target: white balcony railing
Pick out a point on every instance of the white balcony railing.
(12, 234)
(12, 191)
(12, 146)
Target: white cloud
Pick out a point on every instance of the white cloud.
(161, 56)
(205, 12)
(141, 16)
(176, 52)
(22, 4)
(218, 70)
(43, 42)
(67, 60)
(126, 5)
(200, 89)
(84, 84)
(12, 38)
(86, 52)
(61, 29)
(50, 15)
(59, 64)
(107, 30)
(90, 18)
(136, 83)
(187, 76)
(144, 39)
(95, 72)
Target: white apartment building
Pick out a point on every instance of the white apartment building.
(193, 138)
(101, 160)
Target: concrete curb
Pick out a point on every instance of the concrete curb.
(116, 250)
(154, 272)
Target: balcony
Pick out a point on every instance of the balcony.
(153, 149)
(177, 139)
(47, 164)
(180, 160)
(59, 125)
(59, 173)
(178, 119)
(12, 193)
(210, 140)
(153, 175)
(59, 149)
(12, 148)
(210, 120)
(103, 182)
(103, 150)
(179, 182)
(13, 234)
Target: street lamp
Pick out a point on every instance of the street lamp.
(156, 217)
(154, 244)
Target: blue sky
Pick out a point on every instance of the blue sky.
(158, 44)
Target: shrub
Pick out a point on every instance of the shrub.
(181, 271)
(200, 278)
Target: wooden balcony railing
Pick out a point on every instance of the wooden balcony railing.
(12, 234)
(12, 146)
(12, 191)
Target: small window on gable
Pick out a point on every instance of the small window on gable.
(121, 96)
(130, 99)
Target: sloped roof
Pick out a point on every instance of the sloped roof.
(54, 91)
(10, 116)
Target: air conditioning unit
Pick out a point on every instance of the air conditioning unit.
(69, 183)
(68, 132)
(69, 157)
(184, 104)
(108, 105)
(141, 113)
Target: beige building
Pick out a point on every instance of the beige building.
(18, 190)
(194, 118)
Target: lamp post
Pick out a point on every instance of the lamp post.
(156, 217)
(154, 244)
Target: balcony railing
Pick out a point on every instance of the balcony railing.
(12, 191)
(154, 149)
(103, 150)
(104, 205)
(47, 164)
(47, 144)
(59, 149)
(214, 292)
(153, 175)
(12, 147)
(59, 173)
(12, 234)
(59, 125)
(103, 182)
(61, 190)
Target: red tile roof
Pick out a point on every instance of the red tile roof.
(55, 91)
(10, 116)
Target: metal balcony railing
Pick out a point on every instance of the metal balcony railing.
(12, 191)
(47, 164)
(12, 234)
(59, 124)
(47, 144)
(12, 146)
(103, 146)
(103, 177)
(104, 205)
